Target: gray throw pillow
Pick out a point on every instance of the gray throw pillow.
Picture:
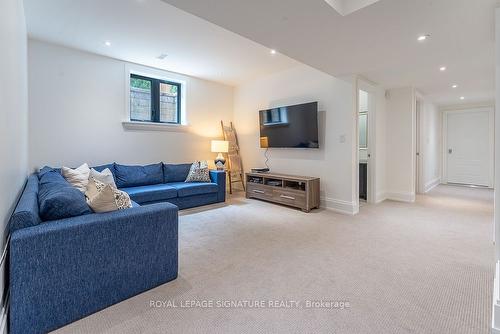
(105, 176)
(198, 172)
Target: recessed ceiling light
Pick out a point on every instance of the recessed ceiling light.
(273, 52)
(454, 86)
(422, 38)
(462, 97)
(107, 43)
(442, 68)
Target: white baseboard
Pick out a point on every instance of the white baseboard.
(401, 196)
(4, 315)
(4, 289)
(495, 319)
(380, 197)
(432, 184)
(341, 206)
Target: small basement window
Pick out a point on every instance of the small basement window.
(154, 100)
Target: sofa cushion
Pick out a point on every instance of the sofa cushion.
(151, 193)
(57, 199)
(175, 172)
(26, 211)
(185, 189)
(50, 177)
(134, 176)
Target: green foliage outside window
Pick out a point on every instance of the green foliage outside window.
(139, 83)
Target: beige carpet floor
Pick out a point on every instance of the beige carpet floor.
(425, 267)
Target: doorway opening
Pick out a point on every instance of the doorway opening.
(364, 153)
(367, 95)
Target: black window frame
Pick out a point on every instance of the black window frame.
(155, 99)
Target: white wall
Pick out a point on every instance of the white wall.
(13, 107)
(400, 139)
(430, 145)
(497, 142)
(14, 119)
(334, 160)
(496, 229)
(77, 104)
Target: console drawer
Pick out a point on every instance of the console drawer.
(290, 198)
(259, 192)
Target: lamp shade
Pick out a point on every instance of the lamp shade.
(220, 146)
(264, 142)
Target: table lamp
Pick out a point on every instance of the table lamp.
(220, 146)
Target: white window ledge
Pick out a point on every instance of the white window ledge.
(151, 126)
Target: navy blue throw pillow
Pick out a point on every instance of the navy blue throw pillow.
(135, 176)
(57, 199)
(46, 169)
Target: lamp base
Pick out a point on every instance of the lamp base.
(220, 162)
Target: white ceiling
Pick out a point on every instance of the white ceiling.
(378, 42)
(141, 30)
(376, 39)
(346, 7)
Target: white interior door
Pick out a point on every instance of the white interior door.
(469, 147)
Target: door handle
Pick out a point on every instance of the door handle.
(450, 151)
(258, 191)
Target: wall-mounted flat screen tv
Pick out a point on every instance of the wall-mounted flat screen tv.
(290, 126)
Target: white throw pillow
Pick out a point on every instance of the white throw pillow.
(105, 176)
(104, 201)
(78, 178)
(104, 197)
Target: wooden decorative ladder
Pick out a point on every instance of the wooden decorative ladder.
(235, 166)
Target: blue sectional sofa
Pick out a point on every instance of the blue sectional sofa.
(165, 182)
(65, 269)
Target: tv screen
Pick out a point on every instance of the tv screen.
(290, 127)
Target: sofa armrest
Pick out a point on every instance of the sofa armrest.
(219, 177)
(61, 271)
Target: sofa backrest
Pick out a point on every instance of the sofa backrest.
(175, 172)
(26, 213)
(135, 176)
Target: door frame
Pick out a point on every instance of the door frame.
(365, 85)
(491, 129)
(418, 156)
